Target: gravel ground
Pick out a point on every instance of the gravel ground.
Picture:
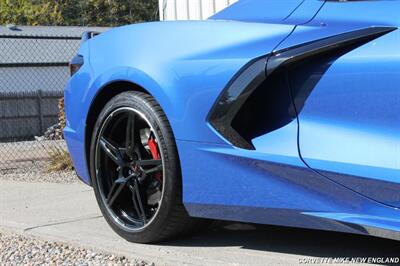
(36, 172)
(24, 250)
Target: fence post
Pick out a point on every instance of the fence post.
(39, 101)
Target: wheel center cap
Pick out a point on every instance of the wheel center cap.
(135, 169)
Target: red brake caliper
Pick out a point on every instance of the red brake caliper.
(155, 153)
(153, 148)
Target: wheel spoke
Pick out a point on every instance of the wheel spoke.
(135, 204)
(148, 162)
(112, 152)
(130, 134)
(137, 200)
(114, 185)
(153, 170)
(113, 195)
(116, 188)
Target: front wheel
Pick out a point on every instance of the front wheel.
(135, 170)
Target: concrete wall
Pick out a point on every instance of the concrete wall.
(191, 9)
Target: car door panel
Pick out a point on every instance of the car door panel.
(348, 106)
(350, 122)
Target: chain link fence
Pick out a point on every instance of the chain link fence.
(33, 74)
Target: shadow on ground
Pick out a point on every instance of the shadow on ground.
(290, 241)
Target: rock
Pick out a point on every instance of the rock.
(19, 249)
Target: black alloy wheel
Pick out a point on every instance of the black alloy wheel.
(135, 170)
(129, 168)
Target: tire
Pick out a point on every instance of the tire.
(170, 219)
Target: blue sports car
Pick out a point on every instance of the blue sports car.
(272, 112)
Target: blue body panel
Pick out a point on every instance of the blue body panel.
(271, 189)
(185, 79)
(335, 166)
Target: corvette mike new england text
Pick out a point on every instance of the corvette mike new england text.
(350, 260)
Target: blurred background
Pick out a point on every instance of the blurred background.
(37, 40)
